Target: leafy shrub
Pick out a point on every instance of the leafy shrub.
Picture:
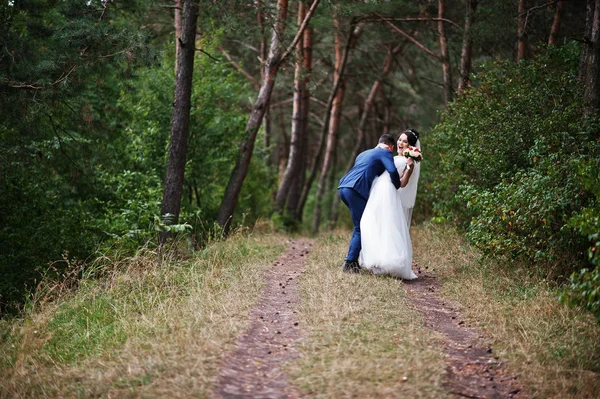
(516, 166)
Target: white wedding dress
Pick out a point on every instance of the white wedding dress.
(386, 243)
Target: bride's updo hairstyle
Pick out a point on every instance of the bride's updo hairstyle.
(412, 135)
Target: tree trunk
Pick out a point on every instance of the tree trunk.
(284, 148)
(352, 39)
(592, 77)
(521, 32)
(587, 39)
(180, 123)
(334, 122)
(177, 22)
(465, 56)
(295, 160)
(295, 195)
(557, 20)
(448, 89)
(263, 60)
(240, 170)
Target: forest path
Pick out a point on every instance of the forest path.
(254, 368)
(472, 369)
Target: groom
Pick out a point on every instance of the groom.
(354, 188)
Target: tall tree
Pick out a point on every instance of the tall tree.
(263, 59)
(295, 204)
(522, 31)
(180, 122)
(560, 4)
(178, 8)
(298, 133)
(467, 47)
(592, 68)
(334, 121)
(259, 108)
(446, 68)
(355, 32)
(587, 38)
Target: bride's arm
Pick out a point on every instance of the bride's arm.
(407, 173)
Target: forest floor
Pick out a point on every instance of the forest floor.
(267, 315)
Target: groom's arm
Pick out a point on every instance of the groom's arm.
(388, 163)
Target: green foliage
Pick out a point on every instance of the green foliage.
(517, 165)
(584, 291)
(84, 141)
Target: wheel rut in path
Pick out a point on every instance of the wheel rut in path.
(254, 368)
(473, 371)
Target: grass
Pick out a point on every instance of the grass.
(144, 329)
(554, 349)
(150, 329)
(362, 336)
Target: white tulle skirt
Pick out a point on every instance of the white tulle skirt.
(386, 244)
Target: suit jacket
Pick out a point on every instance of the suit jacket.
(368, 165)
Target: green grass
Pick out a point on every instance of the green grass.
(146, 328)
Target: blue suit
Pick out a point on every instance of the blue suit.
(355, 186)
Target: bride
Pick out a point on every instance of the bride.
(386, 243)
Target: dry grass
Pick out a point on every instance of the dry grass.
(554, 349)
(145, 330)
(362, 337)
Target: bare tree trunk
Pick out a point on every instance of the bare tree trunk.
(293, 168)
(177, 23)
(180, 123)
(334, 122)
(240, 170)
(557, 20)
(263, 60)
(592, 78)
(448, 89)
(521, 32)
(465, 57)
(587, 39)
(295, 195)
(352, 38)
(284, 147)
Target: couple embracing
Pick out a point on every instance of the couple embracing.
(380, 192)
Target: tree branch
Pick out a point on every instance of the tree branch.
(300, 30)
(536, 7)
(239, 68)
(410, 38)
(413, 20)
(64, 76)
(207, 53)
(104, 9)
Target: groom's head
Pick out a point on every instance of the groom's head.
(388, 140)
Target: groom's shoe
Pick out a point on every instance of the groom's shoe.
(351, 266)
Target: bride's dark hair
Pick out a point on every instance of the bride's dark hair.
(412, 135)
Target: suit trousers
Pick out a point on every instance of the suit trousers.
(356, 203)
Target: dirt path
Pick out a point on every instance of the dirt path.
(253, 369)
(473, 370)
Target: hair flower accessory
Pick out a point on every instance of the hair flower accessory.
(414, 153)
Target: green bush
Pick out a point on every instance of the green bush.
(516, 166)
